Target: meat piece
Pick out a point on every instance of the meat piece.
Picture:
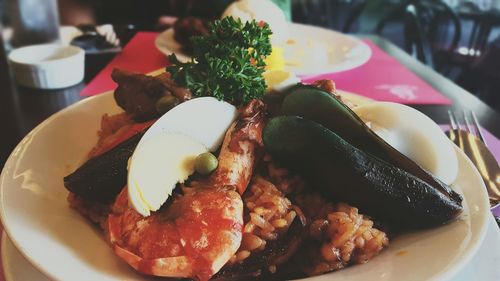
(183, 94)
(186, 28)
(327, 85)
(138, 93)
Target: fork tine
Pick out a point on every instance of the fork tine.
(478, 128)
(468, 124)
(453, 120)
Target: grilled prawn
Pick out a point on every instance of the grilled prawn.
(196, 233)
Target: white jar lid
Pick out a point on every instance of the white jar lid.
(48, 66)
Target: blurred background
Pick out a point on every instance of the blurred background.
(458, 38)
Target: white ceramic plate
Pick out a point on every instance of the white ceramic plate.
(311, 50)
(15, 266)
(483, 266)
(64, 246)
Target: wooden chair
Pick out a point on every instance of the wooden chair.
(415, 40)
(482, 77)
(482, 24)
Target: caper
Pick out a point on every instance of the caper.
(206, 163)
(166, 103)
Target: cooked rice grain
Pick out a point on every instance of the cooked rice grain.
(343, 237)
(268, 213)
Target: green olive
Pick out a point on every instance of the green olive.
(206, 163)
(166, 103)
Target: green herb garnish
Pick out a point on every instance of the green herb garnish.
(228, 63)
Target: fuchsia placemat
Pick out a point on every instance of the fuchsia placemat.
(139, 55)
(384, 78)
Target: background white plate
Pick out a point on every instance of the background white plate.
(344, 52)
(61, 243)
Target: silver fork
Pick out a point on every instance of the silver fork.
(471, 140)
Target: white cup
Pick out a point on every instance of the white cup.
(48, 66)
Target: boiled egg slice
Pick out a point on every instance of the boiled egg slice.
(413, 134)
(157, 166)
(165, 155)
(204, 119)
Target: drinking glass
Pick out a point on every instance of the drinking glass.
(33, 21)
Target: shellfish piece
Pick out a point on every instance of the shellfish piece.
(346, 173)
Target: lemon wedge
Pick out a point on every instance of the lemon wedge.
(276, 60)
(279, 80)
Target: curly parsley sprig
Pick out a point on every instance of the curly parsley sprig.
(228, 63)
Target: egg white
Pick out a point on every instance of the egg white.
(166, 153)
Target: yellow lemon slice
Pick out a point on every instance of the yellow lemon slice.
(279, 80)
(276, 60)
